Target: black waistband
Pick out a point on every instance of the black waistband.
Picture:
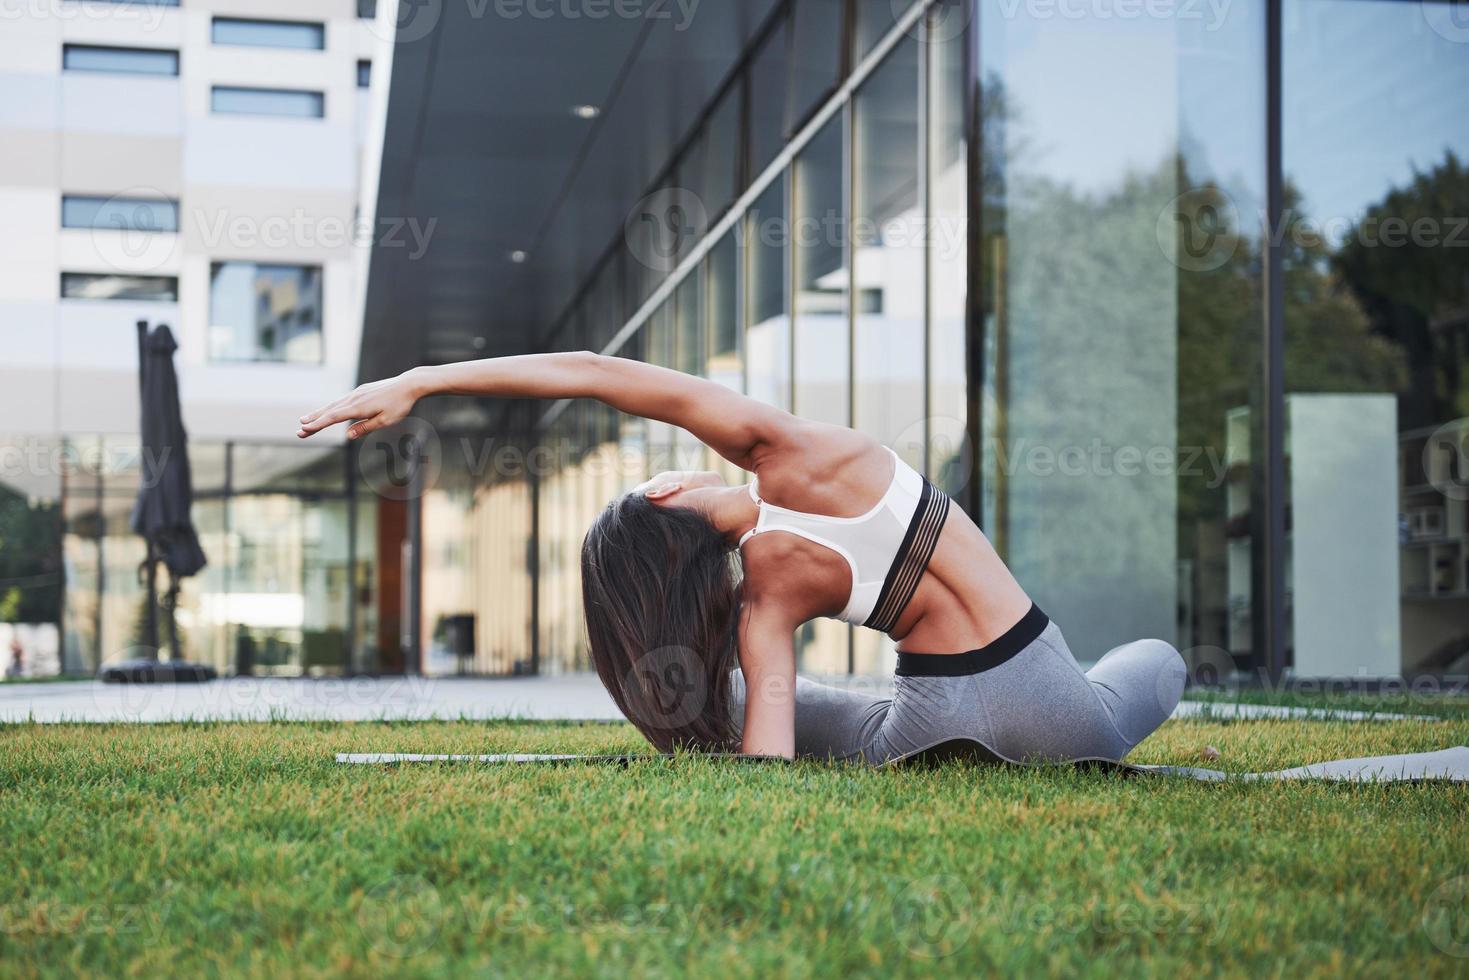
(1015, 639)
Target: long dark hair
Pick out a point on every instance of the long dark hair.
(662, 597)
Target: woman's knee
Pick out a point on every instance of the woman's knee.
(1148, 678)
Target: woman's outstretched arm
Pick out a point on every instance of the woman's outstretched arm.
(731, 424)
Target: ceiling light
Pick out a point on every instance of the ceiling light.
(517, 256)
(585, 111)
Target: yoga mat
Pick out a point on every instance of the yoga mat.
(396, 758)
(1450, 765)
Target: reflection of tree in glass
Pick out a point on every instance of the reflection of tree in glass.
(1413, 283)
(30, 574)
(1090, 332)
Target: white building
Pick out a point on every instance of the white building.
(194, 165)
(199, 165)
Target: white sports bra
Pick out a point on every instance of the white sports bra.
(888, 548)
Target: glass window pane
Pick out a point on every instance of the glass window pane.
(817, 43)
(888, 264)
(948, 405)
(264, 312)
(1377, 338)
(688, 355)
(768, 333)
(364, 73)
(658, 349)
(269, 33)
(91, 285)
(819, 231)
(721, 170)
(723, 363)
(1118, 358)
(33, 569)
(119, 213)
(768, 98)
(723, 282)
(268, 102)
(139, 61)
(367, 9)
(875, 18)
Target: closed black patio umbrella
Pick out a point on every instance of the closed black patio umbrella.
(161, 513)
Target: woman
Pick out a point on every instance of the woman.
(832, 524)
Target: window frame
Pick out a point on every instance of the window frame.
(317, 26)
(215, 110)
(68, 48)
(320, 268)
(72, 275)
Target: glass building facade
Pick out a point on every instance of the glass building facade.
(1173, 299)
(1114, 282)
(296, 583)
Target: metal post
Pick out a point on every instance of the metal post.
(1273, 494)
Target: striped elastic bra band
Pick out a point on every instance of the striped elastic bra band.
(912, 559)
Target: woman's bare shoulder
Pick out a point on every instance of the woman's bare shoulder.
(823, 464)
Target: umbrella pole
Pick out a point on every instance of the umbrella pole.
(174, 653)
(150, 616)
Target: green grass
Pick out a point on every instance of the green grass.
(207, 849)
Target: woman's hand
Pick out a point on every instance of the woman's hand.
(370, 407)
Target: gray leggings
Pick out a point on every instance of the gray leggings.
(1029, 703)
